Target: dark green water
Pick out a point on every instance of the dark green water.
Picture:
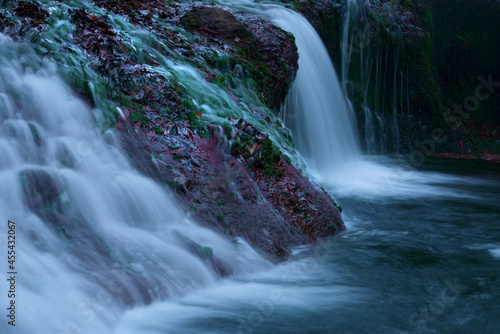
(431, 264)
(407, 264)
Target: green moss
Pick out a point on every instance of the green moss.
(407, 4)
(35, 38)
(337, 206)
(268, 159)
(173, 184)
(193, 23)
(137, 117)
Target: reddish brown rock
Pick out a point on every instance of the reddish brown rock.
(235, 195)
(215, 22)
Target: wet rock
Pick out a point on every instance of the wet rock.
(267, 53)
(94, 34)
(5, 22)
(250, 194)
(31, 10)
(39, 187)
(215, 22)
(206, 254)
(238, 190)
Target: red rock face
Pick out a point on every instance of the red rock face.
(237, 196)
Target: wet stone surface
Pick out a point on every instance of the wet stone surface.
(233, 179)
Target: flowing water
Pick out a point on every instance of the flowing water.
(427, 264)
(102, 249)
(326, 137)
(94, 237)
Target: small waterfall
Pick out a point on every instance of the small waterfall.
(321, 117)
(395, 126)
(323, 122)
(369, 129)
(355, 45)
(92, 233)
(348, 40)
(316, 109)
(324, 128)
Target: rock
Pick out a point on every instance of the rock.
(267, 53)
(31, 10)
(250, 194)
(215, 22)
(39, 187)
(249, 191)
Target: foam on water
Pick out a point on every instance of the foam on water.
(242, 306)
(495, 252)
(379, 177)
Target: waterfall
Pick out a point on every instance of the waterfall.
(321, 116)
(348, 40)
(324, 128)
(94, 237)
(355, 43)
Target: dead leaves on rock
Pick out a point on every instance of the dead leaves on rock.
(32, 11)
(94, 34)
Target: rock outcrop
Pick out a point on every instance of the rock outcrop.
(227, 173)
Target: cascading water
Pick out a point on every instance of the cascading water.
(355, 44)
(323, 123)
(348, 40)
(94, 237)
(322, 119)
(323, 127)
(101, 247)
(372, 69)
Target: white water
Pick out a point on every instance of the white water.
(324, 129)
(104, 239)
(322, 121)
(122, 264)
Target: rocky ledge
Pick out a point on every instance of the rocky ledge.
(233, 174)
